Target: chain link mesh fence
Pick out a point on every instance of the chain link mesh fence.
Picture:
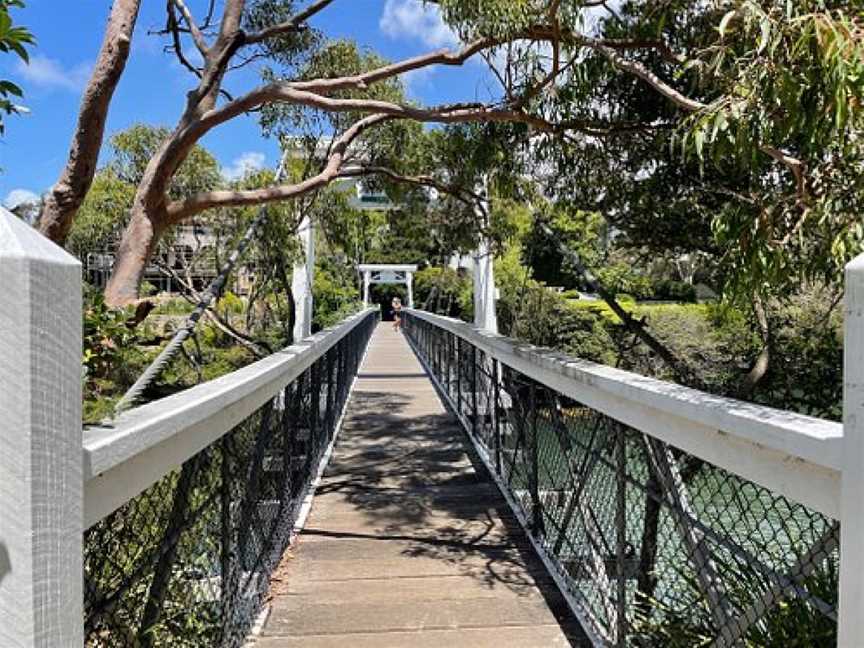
(188, 561)
(656, 547)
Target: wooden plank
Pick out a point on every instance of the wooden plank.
(387, 551)
(511, 637)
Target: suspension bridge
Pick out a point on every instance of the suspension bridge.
(367, 487)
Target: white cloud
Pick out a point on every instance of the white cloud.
(50, 73)
(244, 163)
(411, 19)
(416, 79)
(18, 197)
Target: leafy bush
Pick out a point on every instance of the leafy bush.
(111, 357)
(444, 291)
(528, 310)
(231, 303)
(678, 291)
(806, 371)
(620, 278)
(715, 343)
(173, 306)
(334, 300)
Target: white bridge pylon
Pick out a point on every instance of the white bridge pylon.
(385, 273)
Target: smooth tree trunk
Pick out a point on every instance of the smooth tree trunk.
(62, 202)
(149, 218)
(136, 248)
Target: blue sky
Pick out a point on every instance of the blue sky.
(152, 90)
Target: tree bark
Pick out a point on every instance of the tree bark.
(763, 360)
(62, 202)
(137, 246)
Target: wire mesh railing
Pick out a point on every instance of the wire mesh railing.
(653, 546)
(188, 561)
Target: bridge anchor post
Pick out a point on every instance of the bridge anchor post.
(41, 471)
(851, 616)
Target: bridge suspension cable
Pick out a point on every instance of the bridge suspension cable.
(213, 292)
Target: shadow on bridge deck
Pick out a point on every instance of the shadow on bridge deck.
(409, 543)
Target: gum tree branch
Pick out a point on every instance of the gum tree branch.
(180, 210)
(197, 36)
(294, 24)
(63, 201)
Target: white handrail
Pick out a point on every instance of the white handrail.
(148, 442)
(798, 456)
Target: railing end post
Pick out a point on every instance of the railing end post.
(851, 610)
(41, 478)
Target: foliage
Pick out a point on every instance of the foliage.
(769, 185)
(529, 311)
(444, 291)
(289, 49)
(793, 622)
(213, 354)
(133, 148)
(104, 210)
(806, 372)
(621, 278)
(671, 290)
(173, 306)
(581, 231)
(335, 58)
(110, 356)
(805, 104)
(334, 299)
(14, 39)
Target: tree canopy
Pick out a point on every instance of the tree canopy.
(727, 129)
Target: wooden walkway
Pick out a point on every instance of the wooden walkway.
(408, 545)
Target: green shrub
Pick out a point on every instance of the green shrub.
(621, 278)
(529, 311)
(334, 300)
(231, 303)
(111, 358)
(678, 291)
(806, 369)
(173, 306)
(444, 291)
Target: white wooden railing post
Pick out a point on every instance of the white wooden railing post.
(851, 618)
(366, 279)
(302, 281)
(41, 473)
(485, 292)
(409, 282)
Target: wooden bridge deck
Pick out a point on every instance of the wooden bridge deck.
(408, 544)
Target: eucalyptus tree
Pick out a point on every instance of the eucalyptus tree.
(744, 85)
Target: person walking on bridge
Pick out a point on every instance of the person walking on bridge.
(397, 313)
